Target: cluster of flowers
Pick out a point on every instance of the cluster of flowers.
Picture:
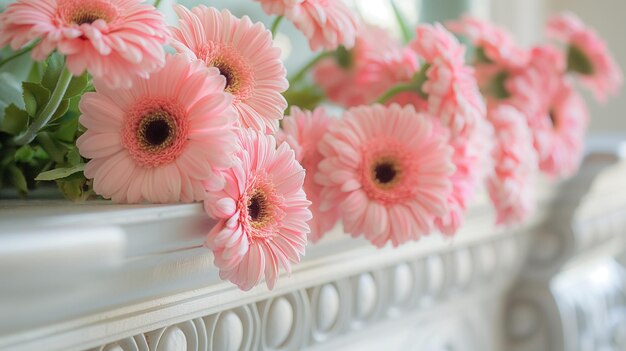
(416, 140)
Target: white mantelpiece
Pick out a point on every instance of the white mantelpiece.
(109, 277)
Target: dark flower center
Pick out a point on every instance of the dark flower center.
(156, 131)
(232, 81)
(578, 61)
(258, 210)
(87, 11)
(385, 172)
(86, 17)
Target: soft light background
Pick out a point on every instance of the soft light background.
(525, 18)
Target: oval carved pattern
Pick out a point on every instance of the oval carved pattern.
(318, 314)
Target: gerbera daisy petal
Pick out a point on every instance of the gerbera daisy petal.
(588, 55)
(306, 129)
(151, 131)
(244, 54)
(510, 185)
(388, 172)
(94, 35)
(452, 91)
(556, 114)
(261, 222)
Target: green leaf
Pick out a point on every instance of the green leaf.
(76, 187)
(60, 173)
(30, 154)
(14, 120)
(77, 86)
(54, 148)
(35, 97)
(73, 156)
(10, 91)
(61, 110)
(307, 98)
(18, 179)
(67, 129)
(36, 72)
(54, 65)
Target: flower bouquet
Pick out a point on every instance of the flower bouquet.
(119, 105)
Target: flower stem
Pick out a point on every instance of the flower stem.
(157, 3)
(303, 71)
(276, 24)
(48, 111)
(404, 27)
(18, 53)
(400, 88)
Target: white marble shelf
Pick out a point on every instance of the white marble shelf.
(121, 277)
(63, 263)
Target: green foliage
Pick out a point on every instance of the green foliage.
(306, 98)
(53, 155)
(14, 120)
(60, 173)
(35, 97)
(76, 187)
(30, 155)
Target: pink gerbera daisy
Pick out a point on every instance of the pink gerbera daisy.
(434, 41)
(495, 54)
(114, 40)
(451, 88)
(587, 55)
(150, 141)
(472, 160)
(307, 130)
(510, 186)
(375, 64)
(388, 170)
(556, 114)
(278, 7)
(262, 213)
(244, 54)
(493, 43)
(531, 87)
(326, 23)
(560, 132)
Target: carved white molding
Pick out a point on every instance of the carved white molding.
(572, 292)
(137, 278)
(344, 286)
(325, 314)
(581, 309)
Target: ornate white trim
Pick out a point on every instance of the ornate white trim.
(322, 314)
(137, 278)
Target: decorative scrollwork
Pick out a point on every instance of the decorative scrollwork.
(318, 314)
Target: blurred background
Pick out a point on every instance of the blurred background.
(524, 18)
